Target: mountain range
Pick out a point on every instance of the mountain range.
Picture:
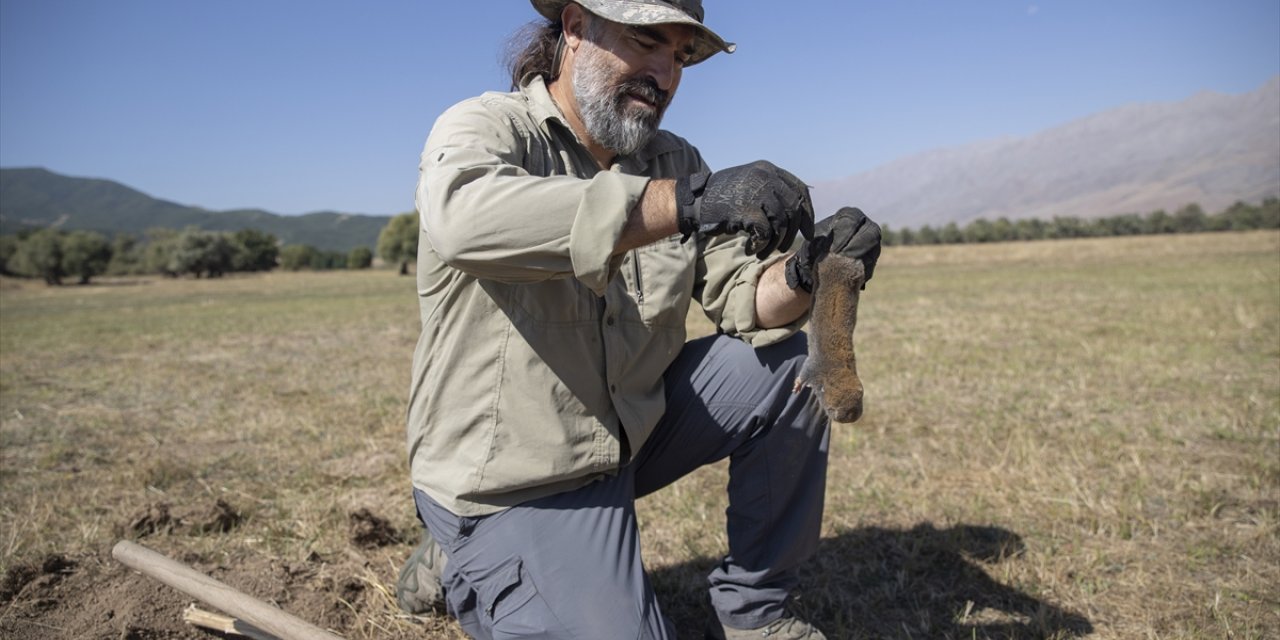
(35, 197)
(1211, 149)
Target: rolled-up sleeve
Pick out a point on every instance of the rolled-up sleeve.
(727, 281)
(486, 215)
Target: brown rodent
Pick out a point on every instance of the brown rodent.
(831, 369)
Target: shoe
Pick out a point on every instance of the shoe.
(418, 590)
(786, 628)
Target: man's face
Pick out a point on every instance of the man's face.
(624, 77)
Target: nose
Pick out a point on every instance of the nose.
(665, 71)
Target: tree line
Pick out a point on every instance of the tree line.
(56, 255)
(1240, 216)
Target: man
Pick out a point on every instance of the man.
(564, 237)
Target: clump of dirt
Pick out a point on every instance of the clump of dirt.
(369, 531)
(350, 589)
(158, 519)
(49, 571)
(154, 519)
(220, 518)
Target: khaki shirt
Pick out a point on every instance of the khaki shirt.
(540, 362)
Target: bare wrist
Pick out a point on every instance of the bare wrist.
(653, 217)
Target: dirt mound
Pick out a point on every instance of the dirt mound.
(48, 571)
(369, 531)
(86, 598)
(220, 518)
(95, 597)
(158, 518)
(349, 590)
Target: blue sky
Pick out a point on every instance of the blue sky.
(296, 106)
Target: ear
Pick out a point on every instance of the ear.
(574, 18)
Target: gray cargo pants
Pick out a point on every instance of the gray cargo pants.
(568, 566)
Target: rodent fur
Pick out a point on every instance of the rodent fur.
(831, 368)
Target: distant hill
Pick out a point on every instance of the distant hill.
(1212, 149)
(41, 198)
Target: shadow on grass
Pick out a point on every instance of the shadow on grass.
(109, 282)
(922, 582)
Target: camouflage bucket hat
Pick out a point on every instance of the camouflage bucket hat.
(643, 12)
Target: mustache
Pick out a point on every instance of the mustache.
(646, 88)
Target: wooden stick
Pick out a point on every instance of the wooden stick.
(198, 617)
(218, 595)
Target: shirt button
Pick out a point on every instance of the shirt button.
(609, 321)
(613, 388)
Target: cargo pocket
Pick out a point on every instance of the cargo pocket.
(512, 606)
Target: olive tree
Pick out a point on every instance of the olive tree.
(200, 253)
(398, 242)
(254, 250)
(359, 258)
(8, 247)
(85, 254)
(159, 247)
(40, 255)
(295, 257)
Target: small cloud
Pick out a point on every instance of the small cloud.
(1033, 9)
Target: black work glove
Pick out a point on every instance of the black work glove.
(767, 203)
(849, 233)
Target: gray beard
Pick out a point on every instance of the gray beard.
(600, 103)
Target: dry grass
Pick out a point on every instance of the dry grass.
(1061, 439)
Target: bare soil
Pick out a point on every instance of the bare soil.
(90, 595)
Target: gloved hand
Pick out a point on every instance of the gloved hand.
(849, 232)
(767, 203)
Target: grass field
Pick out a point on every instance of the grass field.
(1061, 439)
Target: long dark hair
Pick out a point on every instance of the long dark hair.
(532, 49)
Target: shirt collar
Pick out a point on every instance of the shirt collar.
(541, 105)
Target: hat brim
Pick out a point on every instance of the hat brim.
(705, 44)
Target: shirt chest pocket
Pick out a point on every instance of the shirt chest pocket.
(660, 280)
(563, 302)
